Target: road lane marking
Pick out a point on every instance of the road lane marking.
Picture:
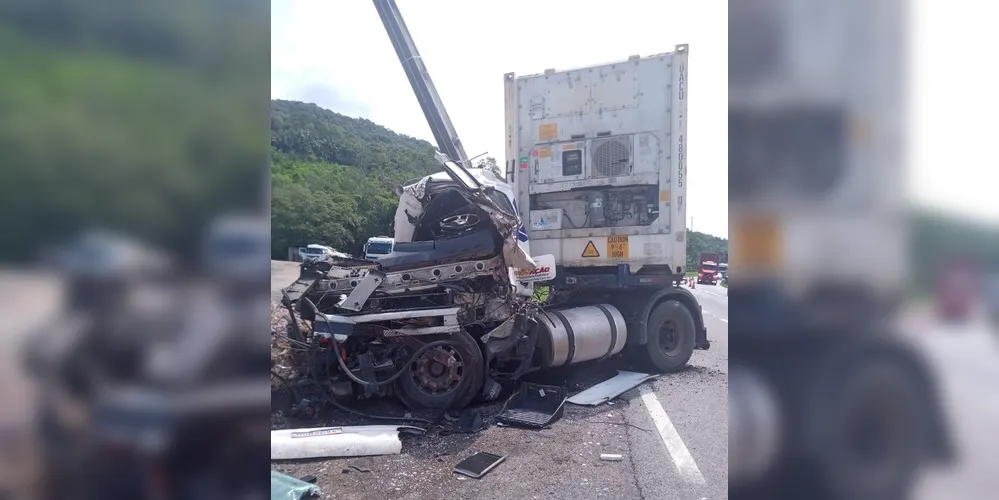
(715, 316)
(709, 292)
(674, 443)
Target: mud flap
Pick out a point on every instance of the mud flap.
(702, 343)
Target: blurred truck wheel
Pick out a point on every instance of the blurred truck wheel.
(671, 337)
(870, 426)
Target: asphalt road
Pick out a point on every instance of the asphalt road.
(283, 273)
(966, 362)
(672, 433)
(30, 299)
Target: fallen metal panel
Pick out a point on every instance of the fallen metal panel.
(323, 442)
(359, 296)
(610, 388)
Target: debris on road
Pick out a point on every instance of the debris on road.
(322, 442)
(479, 464)
(611, 457)
(470, 421)
(285, 487)
(610, 388)
(534, 406)
(358, 468)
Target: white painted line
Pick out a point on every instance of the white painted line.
(674, 444)
(715, 316)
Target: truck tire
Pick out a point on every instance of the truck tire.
(869, 425)
(671, 337)
(445, 377)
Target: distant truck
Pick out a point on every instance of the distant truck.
(956, 289)
(825, 399)
(710, 269)
(378, 246)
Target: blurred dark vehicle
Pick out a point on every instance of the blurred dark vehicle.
(956, 291)
(129, 394)
(825, 400)
(236, 253)
(990, 295)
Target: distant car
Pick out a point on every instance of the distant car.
(100, 253)
(236, 248)
(315, 252)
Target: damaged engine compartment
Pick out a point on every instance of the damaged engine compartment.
(440, 321)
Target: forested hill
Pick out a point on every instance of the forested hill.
(306, 131)
(332, 176)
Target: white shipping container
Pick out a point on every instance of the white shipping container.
(605, 146)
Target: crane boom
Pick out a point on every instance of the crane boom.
(423, 87)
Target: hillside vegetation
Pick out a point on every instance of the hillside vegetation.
(332, 176)
(128, 115)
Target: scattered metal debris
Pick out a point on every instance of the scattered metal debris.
(610, 388)
(321, 442)
(470, 421)
(285, 487)
(534, 406)
(611, 457)
(479, 464)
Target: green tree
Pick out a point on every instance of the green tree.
(489, 163)
(332, 177)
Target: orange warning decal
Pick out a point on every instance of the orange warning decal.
(590, 250)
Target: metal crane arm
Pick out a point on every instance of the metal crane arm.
(423, 87)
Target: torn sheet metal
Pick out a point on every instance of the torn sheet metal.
(285, 487)
(322, 442)
(610, 388)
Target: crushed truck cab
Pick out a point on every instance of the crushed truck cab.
(441, 320)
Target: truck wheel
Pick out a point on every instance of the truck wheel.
(445, 377)
(872, 429)
(671, 337)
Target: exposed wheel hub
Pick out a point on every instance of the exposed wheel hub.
(438, 370)
(668, 338)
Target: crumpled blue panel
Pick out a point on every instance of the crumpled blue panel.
(285, 487)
